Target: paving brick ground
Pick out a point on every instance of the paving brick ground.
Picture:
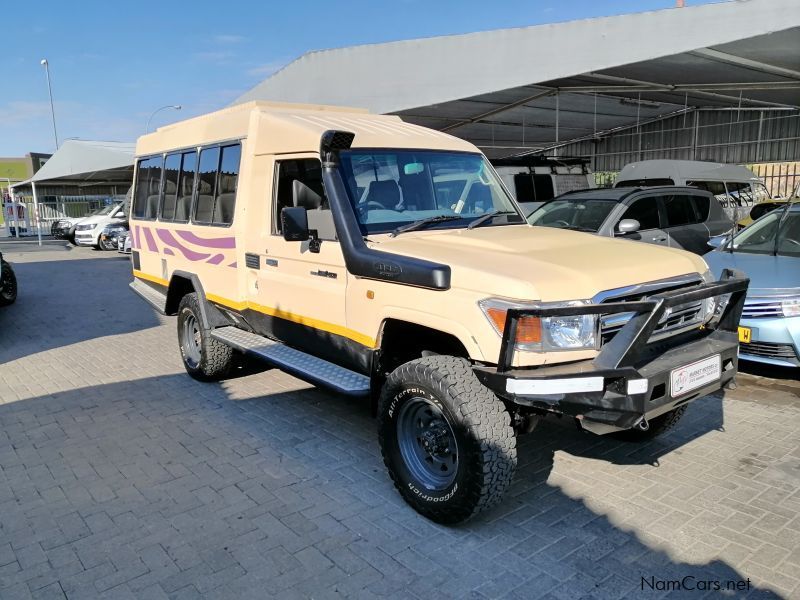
(120, 477)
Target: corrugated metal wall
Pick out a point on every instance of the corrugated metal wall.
(727, 136)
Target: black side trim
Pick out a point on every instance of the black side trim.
(361, 260)
(137, 263)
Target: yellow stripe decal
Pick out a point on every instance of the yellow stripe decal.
(152, 278)
(362, 339)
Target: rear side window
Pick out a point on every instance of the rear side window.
(717, 189)
(148, 184)
(523, 186)
(644, 182)
(172, 165)
(702, 206)
(679, 210)
(644, 210)
(217, 180)
(740, 193)
(183, 204)
(543, 187)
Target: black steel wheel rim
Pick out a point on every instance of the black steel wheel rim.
(427, 444)
(192, 341)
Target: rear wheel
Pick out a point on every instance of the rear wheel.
(8, 285)
(203, 357)
(661, 424)
(447, 441)
(105, 245)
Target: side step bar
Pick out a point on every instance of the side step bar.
(152, 296)
(309, 368)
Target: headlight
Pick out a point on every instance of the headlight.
(791, 307)
(545, 334)
(710, 305)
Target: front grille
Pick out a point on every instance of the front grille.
(675, 320)
(84, 228)
(766, 303)
(768, 350)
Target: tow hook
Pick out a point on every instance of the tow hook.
(642, 425)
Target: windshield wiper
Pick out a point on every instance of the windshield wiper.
(424, 223)
(483, 218)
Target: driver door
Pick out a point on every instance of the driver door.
(300, 294)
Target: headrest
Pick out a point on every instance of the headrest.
(385, 192)
(304, 196)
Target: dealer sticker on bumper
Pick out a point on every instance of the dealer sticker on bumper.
(696, 375)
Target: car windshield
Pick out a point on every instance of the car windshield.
(573, 212)
(106, 210)
(391, 189)
(759, 238)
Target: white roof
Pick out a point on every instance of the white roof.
(83, 160)
(685, 169)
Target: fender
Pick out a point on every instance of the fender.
(210, 315)
(359, 259)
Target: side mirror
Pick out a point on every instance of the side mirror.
(717, 240)
(628, 226)
(294, 224)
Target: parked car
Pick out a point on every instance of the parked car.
(536, 179)
(768, 251)
(8, 283)
(124, 242)
(678, 217)
(88, 230)
(762, 208)
(109, 237)
(736, 188)
(360, 260)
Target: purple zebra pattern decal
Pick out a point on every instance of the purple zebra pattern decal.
(213, 251)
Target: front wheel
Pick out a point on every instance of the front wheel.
(8, 285)
(105, 245)
(203, 357)
(446, 440)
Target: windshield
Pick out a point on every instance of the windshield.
(106, 210)
(577, 212)
(759, 238)
(393, 188)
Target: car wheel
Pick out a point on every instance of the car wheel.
(71, 238)
(661, 424)
(446, 440)
(104, 245)
(8, 286)
(204, 358)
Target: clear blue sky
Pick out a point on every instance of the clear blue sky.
(113, 63)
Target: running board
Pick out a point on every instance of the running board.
(305, 366)
(152, 296)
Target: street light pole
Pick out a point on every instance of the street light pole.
(150, 118)
(46, 66)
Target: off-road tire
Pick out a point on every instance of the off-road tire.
(8, 286)
(661, 424)
(480, 425)
(215, 358)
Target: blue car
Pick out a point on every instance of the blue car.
(768, 251)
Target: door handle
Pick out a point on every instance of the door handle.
(658, 239)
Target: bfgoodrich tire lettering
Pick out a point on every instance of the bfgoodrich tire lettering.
(485, 452)
(203, 357)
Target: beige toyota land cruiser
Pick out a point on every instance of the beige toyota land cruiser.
(385, 260)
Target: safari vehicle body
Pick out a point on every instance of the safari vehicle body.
(386, 260)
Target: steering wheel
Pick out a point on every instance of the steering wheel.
(560, 223)
(791, 241)
(374, 204)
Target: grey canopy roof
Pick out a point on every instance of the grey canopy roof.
(502, 89)
(82, 161)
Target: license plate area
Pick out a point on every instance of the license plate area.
(745, 335)
(693, 376)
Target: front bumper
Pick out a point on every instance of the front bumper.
(632, 379)
(86, 238)
(774, 341)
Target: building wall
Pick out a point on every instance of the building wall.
(726, 136)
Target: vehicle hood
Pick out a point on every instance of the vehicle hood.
(93, 220)
(541, 263)
(764, 270)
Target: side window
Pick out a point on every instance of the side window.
(543, 185)
(207, 184)
(644, 210)
(298, 182)
(679, 211)
(760, 192)
(702, 206)
(740, 193)
(717, 189)
(227, 181)
(183, 204)
(148, 183)
(523, 186)
(172, 165)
